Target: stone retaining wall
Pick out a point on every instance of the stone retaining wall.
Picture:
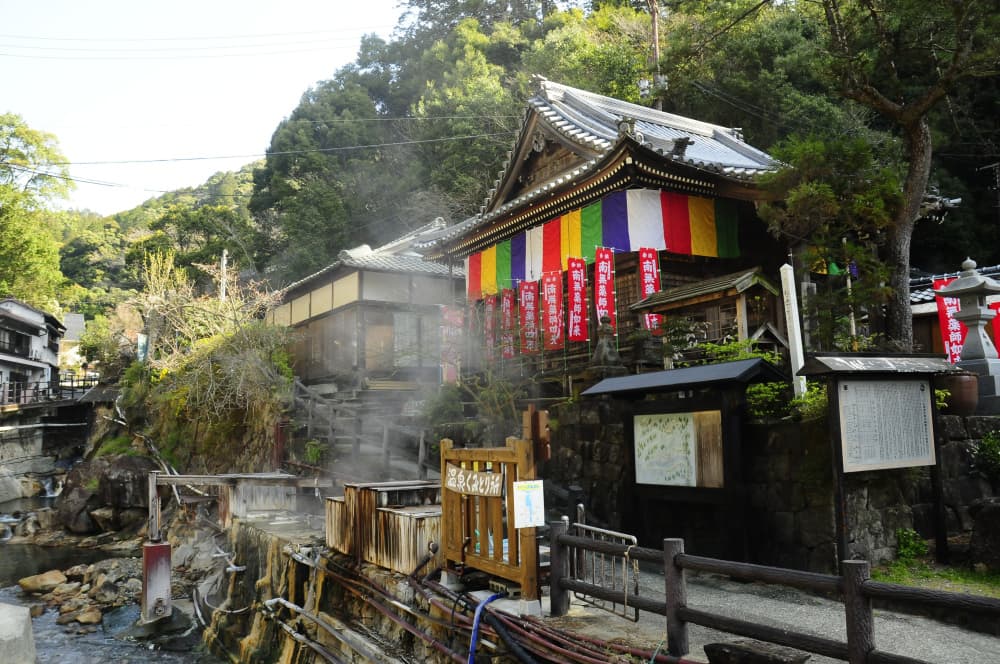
(789, 477)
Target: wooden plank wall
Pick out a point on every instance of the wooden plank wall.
(475, 528)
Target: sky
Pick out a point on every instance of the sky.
(181, 90)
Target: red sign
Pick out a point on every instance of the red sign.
(527, 293)
(552, 307)
(649, 283)
(507, 323)
(995, 323)
(953, 331)
(490, 326)
(576, 282)
(604, 285)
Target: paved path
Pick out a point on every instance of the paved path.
(900, 634)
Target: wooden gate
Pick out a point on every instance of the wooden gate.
(477, 499)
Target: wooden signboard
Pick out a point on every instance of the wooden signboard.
(885, 424)
(679, 449)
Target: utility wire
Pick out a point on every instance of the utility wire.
(257, 155)
(193, 38)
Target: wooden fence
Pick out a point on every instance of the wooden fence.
(854, 588)
(477, 501)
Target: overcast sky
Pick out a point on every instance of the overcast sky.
(185, 82)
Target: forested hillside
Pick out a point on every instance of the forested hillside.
(419, 125)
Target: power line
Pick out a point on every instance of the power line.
(168, 57)
(281, 153)
(193, 38)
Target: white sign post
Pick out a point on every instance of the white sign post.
(794, 328)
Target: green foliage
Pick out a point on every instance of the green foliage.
(732, 351)
(909, 545)
(986, 457)
(941, 397)
(813, 404)
(314, 452)
(92, 484)
(117, 446)
(768, 401)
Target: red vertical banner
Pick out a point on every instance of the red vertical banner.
(507, 323)
(604, 285)
(451, 343)
(490, 326)
(953, 331)
(576, 312)
(527, 293)
(552, 310)
(649, 283)
(995, 323)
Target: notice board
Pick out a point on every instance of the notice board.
(885, 424)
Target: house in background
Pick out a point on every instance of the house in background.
(29, 352)
(70, 360)
(373, 317)
(602, 204)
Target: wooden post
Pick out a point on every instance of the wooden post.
(356, 444)
(558, 568)
(154, 508)
(527, 544)
(385, 446)
(858, 610)
(422, 456)
(676, 597)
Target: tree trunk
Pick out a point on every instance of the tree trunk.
(899, 317)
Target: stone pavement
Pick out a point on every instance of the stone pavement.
(794, 610)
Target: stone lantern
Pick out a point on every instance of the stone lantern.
(979, 355)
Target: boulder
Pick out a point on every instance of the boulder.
(984, 548)
(125, 482)
(42, 583)
(89, 616)
(106, 518)
(74, 507)
(17, 642)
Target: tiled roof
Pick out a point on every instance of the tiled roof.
(739, 280)
(922, 287)
(595, 121)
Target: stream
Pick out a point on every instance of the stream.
(61, 644)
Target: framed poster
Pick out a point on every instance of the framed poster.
(885, 424)
(679, 449)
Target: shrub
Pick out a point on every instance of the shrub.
(813, 404)
(909, 545)
(116, 446)
(986, 457)
(767, 401)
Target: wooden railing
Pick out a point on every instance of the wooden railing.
(855, 589)
(477, 502)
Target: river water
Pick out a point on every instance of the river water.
(61, 644)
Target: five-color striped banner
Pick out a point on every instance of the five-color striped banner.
(623, 221)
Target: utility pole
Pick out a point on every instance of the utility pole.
(654, 12)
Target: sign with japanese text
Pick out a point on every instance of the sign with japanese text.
(527, 293)
(507, 323)
(604, 285)
(490, 326)
(552, 310)
(473, 483)
(529, 504)
(649, 283)
(576, 312)
(953, 331)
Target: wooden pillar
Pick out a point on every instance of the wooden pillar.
(558, 568)
(858, 610)
(675, 581)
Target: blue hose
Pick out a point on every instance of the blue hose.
(475, 624)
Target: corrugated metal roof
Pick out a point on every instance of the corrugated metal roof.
(738, 280)
(740, 371)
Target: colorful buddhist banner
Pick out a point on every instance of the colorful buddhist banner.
(552, 310)
(622, 221)
(507, 323)
(995, 323)
(953, 331)
(527, 294)
(576, 287)
(490, 326)
(649, 283)
(604, 285)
